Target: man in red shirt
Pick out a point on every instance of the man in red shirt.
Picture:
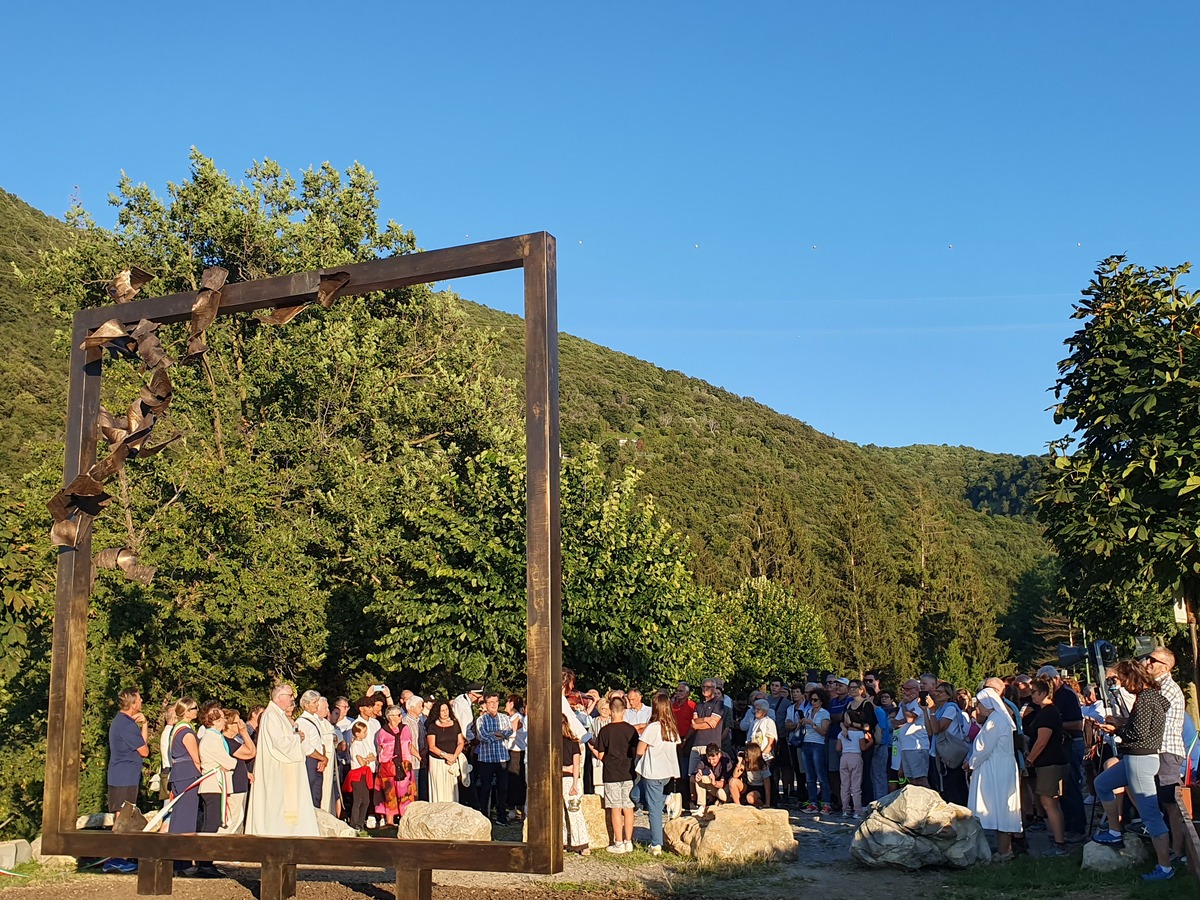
(682, 707)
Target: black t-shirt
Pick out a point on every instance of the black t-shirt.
(1066, 701)
(618, 742)
(241, 779)
(570, 748)
(445, 737)
(1054, 753)
(703, 736)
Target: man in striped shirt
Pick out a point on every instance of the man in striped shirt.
(1159, 664)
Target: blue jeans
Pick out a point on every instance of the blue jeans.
(815, 771)
(652, 791)
(1137, 774)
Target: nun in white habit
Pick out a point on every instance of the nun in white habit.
(995, 797)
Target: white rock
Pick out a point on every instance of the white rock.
(49, 861)
(424, 821)
(8, 854)
(331, 826)
(95, 820)
(24, 852)
(1105, 858)
(733, 832)
(914, 827)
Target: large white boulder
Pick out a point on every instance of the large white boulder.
(733, 832)
(914, 827)
(443, 822)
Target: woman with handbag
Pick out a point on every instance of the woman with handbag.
(393, 769)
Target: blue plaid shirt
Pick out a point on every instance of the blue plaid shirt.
(492, 732)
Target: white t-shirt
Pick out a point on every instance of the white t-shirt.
(661, 759)
(637, 716)
(850, 741)
(811, 735)
(912, 735)
(761, 732)
(362, 749)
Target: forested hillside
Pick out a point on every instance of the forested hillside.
(346, 500)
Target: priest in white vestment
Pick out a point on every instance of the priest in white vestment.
(995, 797)
(280, 800)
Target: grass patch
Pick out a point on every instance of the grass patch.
(1057, 879)
(718, 877)
(594, 887)
(36, 873)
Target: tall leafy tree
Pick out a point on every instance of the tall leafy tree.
(1122, 496)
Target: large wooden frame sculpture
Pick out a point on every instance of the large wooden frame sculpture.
(413, 861)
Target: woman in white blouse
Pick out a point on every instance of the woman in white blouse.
(658, 763)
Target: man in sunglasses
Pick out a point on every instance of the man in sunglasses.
(1159, 664)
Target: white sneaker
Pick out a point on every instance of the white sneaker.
(618, 847)
(655, 850)
(628, 847)
(698, 812)
(370, 822)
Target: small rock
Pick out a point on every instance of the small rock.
(8, 854)
(599, 822)
(129, 820)
(95, 820)
(24, 852)
(331, 826)
(49, 861)
(1105, 858)
(424, 821)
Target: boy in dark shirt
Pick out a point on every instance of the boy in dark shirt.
(616, 748)
(712, 778)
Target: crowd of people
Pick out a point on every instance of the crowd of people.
(1019, 752)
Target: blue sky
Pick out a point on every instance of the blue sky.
(871, 216)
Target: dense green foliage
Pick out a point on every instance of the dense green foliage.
(1122, 496)
(347, 500)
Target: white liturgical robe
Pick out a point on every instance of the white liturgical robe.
(280, 800)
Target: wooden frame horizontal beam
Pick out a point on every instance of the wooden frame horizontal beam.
(491, 856)
(301, 287)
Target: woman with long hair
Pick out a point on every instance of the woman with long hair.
(575, 830)
(658, 763)
(517, 745)
(445, 742)
(751, 782)
(1141, 737)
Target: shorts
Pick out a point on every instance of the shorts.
(617, 794)
(118, 795)
(755, 789)
(1049, 780)
(1170, 775)
(914, 763)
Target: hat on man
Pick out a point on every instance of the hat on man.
(476, 688)
(844, 681)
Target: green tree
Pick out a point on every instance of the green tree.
(788, 636)
(1122, 497)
